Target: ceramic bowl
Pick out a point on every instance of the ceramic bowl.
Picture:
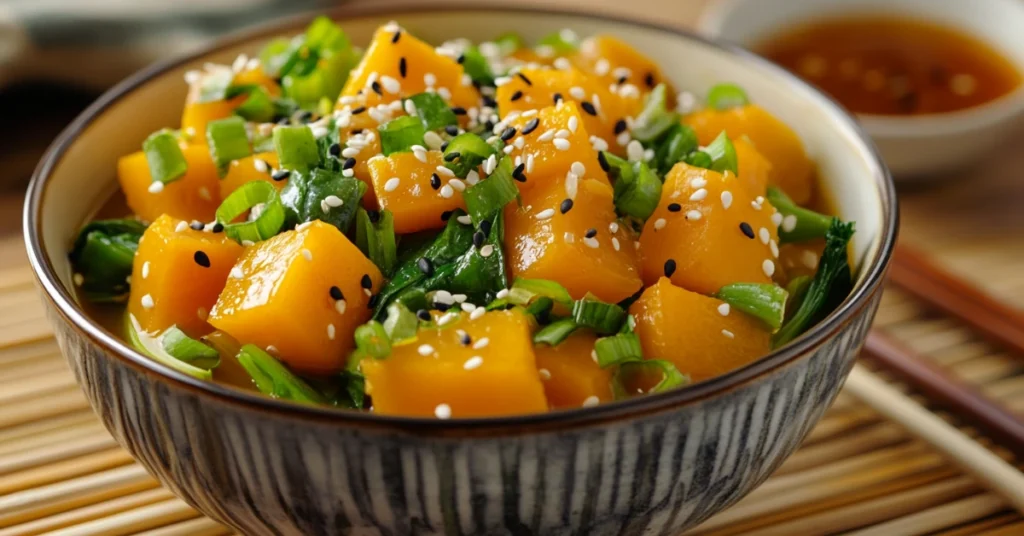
(913, 147)
(653, 465)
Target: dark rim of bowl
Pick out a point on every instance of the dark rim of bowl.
(66, 305)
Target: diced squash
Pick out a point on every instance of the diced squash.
(197, 114)
(402, 185)
(244, 170)
(754, 169)
(708, 244)
(543, 243)
(612, 59)
(801, 258)
(194, 196)
(688, 329)
(791, 170)
(550, 163)
(570, 374)
(177, 275)
(456, 380)
(283, 300)
(425, 68)
(576, 86)
(362, 168)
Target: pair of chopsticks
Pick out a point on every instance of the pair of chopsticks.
(1001, 324)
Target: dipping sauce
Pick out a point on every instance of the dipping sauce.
(894, 66)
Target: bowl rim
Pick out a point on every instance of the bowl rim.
(1001, 109)
(65, 305)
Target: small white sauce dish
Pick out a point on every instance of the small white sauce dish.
(917, 146)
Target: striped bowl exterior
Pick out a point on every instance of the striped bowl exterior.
(267, 473)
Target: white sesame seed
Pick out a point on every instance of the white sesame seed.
(445, 171)
(728, 334)
(593, 355)
(425, 350)
(562, 133)
(391, 184)
(145, 269)
(368, 292)
(598, 143)
(192, 76)
(465, 219)
(774, 247)
(477, 313)
(547, 135)
(578, 168)
(237, 273)
(809, 259)
(447, 191)
(472, 177)
(789, 223)
(699, 195)
(459, 298)
(693, 215)
(473, 362)
(490, 164)
(330, 331)
(429, 79)
(768, 267)
(390, 84)
(659, 224)
(726, 199)
(410, 107)
(307, 254)
(573, 123)
(623, 138)
(487, 250)
(577, 93)
(443, 411)
(615, 243)
(156, 187)
(181, 227)
(239, 63)
(147, 301)
(340, 306)
(351, 152)
(635, 151)
(545, 214)
(443, 296)
(457, 184)
(777, 218)
(561, 144)
(446, 318)
(433, 140)
(699, 182)
(481, 343)
(303, 226)
(602, 67)
(420, 153)
(591, 242)
(723, 309)
(467, 307)
(764, 235)
(78, 278)
(319, 132)
(544, 373)
(591, 401)
(509, 148)
(501, 80)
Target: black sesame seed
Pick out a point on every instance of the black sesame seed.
(674, 207)
(444, 146)
(465, 339)
(440, 306)
(461, 59)
(218, 227)
(603, 161)
(530, 126)
(622, 80)
(356, 131)
(202, 259)
(304, 116)
(435, 181)
(280, 174)
(517, 173)
(489, 101)
(557, 97)
(588, 107)
(334, 149)
(359, 110)
(566, 206)
(350, 163)
(372, 302)
(649, 79)
(458, 110)
(396, 37)
(591, 233)
(670, 267)
(375, 86)
(365, 281)
(423, 315)
(402, 66)
(620, 126)
(516, 96)
(747, 230)
(374, 215)
(336, 294)
(452, 130)
(197, 226)
(524, 78)
(488, 125)
(452, 156)
(508, 133)
(425, 266)
(478, 239)
(485, 227)
(446, 215)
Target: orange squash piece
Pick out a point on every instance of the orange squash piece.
(616, 62)
(244, 170)
(550, 161)
(689, 330)
(177, 275)
(437, 375)
(754, 169)
(402, 185)
(194, 196)
(588, 92)
(706, 241)
(196, 115)
(791, 170)
(283, 300)
(362, 167)
(543, 243)
(570, 374)
(425, 68)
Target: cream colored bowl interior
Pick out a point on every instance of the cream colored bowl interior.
(85, 176)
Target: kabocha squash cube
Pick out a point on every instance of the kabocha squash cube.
(754, 169)
(177, 274)
(361, 144)
(300, 296)
(708, 231)
(194, 196)
(257, 167)
(583, 248)
(439, 375)
(616, 62)
(791, 170)
(197, 114)
(570, 375)
(553, 140)
(691, 331)
(600, 109)
(424, 69)
(418, 193)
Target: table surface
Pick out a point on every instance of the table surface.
(855, 472)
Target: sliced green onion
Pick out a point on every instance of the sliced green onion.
(655, 118)
(228, 141)
(401, 323)
(433, 111)
(265, 225)
(296, 147)
(699, 159)
(163, 154)
(558, 42)
(604, 318)
(373, 339)
(477, 67)
(278, 56)
(524, 290)
(213, 86)
(673, 146)
(555, 332)
(508, 42)
(272, 378)
(618, 349)
(726, 96)
(635, 378)
(323, 33)
(400, 134)
(257, 107)
(103, 255)
(472, 151)
(150, 346)
(764, 301)
(723, 154)
(377, 239)
(798, 224)
(179, 345)
(489, 196)
(324, 82)
(540, 308)
(797, 289)
(637, 189)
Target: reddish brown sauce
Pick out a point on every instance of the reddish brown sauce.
(893, 66)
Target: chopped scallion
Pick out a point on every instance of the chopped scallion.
(637, 189)
(401, 324)
(248, 196)
(798, 224)
(540, 308)
(179, 345)
(272, 378)
(555, 332)
(258, 106)
(103, 255)
(150, 346)
(558, 42)
(618, 349)
(524, 290)
(296, 147)
(433, 111)
(655, 118)
(489, 196)
(764, 301)
(635, 378)
(373, 339)
(723, 154)
(673, 146)
(227, 140)
(604, 318)
(472, 151)
(163, 154)
(400, 134)
(377, 239)
(726, 96)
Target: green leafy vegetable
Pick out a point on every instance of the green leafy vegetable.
(311, 196)
(563, 42)
(477, 67)
(272, 378)
(798, 224)
(764, 301)
(264, 222)
(227, 140)
(555, 332)
(433, 111)
(725, 96)
(179, 345)
(163, 154)
(489, 196)
(296, 147)
(637, 189)
(103, 255)
(643, 377)
(723, 154)
(467, 151)
(655, 118)
(797, 289)
(376, 239)
(400, 134)
(258, 106)
(673, 146)
(508, 42)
